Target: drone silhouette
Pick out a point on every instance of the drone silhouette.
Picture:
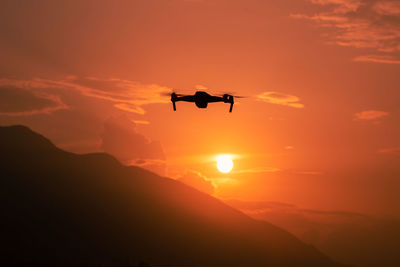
(201, 99)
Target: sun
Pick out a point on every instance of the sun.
(224, 163)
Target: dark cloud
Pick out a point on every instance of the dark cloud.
(20, 100)
(90, 101)
(198, 181)
(368, 24)
(121, 139)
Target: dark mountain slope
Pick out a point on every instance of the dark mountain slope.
(61, 208)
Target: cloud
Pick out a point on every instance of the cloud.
(377, 59)
(121, 139)
(369, 24)
(81, 120)
(129, 96)
(257, 170)
(130, 108)
(19, 99)
(280, 99)
(342, 6)
(390, 150)
(198, 181)
(309, 172)
(258, 206)
(390, 8)
(268, 209)
(370, 115)
(141, 122)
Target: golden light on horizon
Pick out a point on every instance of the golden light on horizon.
(224, 163)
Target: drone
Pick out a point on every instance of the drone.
(201, 99)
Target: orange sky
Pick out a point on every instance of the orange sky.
(320, 127)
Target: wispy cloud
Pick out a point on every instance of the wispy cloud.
(377, 59)
(280, 99)
(309, 172)
(141, 122)
(126, 95)
(370, 115)
(390, 150)
(270, 207)
(257, 170)
(199, 181)
(369, 24)
(342, 6)
(27, 99)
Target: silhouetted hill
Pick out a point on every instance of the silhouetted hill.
(349, 237)
(63, 208)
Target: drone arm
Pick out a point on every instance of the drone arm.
(174, 98)
(187, 98)
(231, 101)
(212, 99)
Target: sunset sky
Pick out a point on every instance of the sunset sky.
(319, 128)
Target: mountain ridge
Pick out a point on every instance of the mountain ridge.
(72, 209)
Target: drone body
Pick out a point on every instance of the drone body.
(201, 99)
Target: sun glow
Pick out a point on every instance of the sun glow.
(224, 163)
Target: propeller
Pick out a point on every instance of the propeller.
(174, 97)
(240, 96)
(170, 93)
(235, 96)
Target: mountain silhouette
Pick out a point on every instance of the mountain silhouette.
(59, 208)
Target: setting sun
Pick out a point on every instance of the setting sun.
(224, 163)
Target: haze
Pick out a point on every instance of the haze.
(319, 128)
